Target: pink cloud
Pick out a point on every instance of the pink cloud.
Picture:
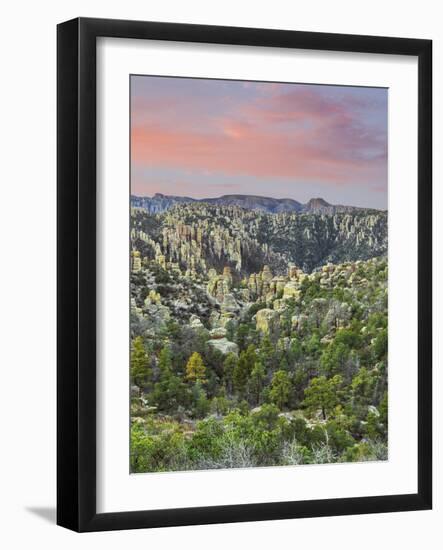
(300, 134)
(238, 150)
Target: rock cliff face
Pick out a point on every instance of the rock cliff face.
(266, 320)
(196, 237)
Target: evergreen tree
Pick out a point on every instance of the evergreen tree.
(380, 347)
(295, 351)
(242, 336)
(266, 353)
(322, 393)
(313, 345)
(229, 365)
(257, 381)
(230, 330)
(141, 372)
(280, 389)
(200, 401)
(169, 392)
(195, 369)
(334, 357)
(243, 370)
(165, 359)
(362, 386)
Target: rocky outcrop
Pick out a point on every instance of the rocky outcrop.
(298, 321)
(136, 261)
(218, 287)
(229, 304)
(291, 290)
(224, 345)
(197, 236)
(217, 333)
(195, 323)
(205, 265)
(266, 320)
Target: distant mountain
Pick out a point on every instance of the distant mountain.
(320, 205)
(253, 202)
(159, 203)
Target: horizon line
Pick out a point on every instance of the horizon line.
(261, 197)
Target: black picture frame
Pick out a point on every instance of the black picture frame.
(76, 266)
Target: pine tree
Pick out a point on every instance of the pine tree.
(257, 380)
(380, 347)
(169, 392)
(267, 352)
(165, 360)
(141, 373)
(362, 386)
(195, 369)
(243, 370)
(322, 393)
(242, 335)
(280, 388)
(200, 401)
(295, 350)
(334, 357)
(229, 366)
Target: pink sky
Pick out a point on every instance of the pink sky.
(203, 138)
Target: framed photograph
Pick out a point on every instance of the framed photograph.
(244, 274)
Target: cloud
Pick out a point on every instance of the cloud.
(314, 133)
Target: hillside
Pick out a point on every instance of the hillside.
(202, 236)
(257, 339)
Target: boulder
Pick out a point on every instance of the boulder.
(224, 345)
(217, 333)
(229, 303)
(195, 323)
(214, 317)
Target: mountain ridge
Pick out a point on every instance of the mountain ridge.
(159, 203)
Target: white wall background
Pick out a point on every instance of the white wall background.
(27, 274)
